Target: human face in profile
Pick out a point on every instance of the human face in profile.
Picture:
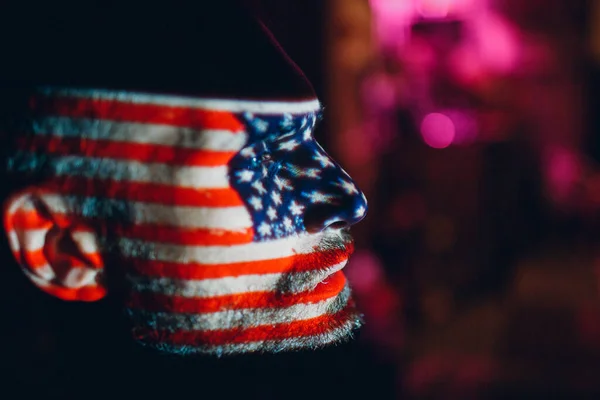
(226, 219)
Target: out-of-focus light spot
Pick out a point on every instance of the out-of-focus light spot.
(498, 43)
(465, 125)
(392, 9)
(434, 8)
(563, 170)
(379, 92)
(364, 271)
(438, 130)
(391, 19)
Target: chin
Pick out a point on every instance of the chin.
(306, 325)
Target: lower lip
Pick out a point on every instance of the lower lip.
(332, 285)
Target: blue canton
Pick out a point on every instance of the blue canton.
(282, 173)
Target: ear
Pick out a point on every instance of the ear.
(58, 254)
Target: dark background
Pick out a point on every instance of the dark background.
(477, 265)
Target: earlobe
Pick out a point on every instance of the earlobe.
(58, 254)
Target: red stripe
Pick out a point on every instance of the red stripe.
(22, 220)
(125, 151)
(145, 192)
(310, 327)
(86, 293)
(29, 220)
(135, 112)
(184, 236)
(156, 302)
(295, 263)
(35, 259)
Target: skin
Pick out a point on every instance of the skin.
(220, 255)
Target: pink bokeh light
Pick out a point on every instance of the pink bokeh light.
(434, 8)
(438, 130)
(563, 170)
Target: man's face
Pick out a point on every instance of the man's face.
(226, 219)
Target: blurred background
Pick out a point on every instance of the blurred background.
(473, 128)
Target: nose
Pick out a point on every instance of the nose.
(337, 203)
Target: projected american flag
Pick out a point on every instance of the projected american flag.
(206, 206)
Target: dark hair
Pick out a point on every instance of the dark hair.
(197, 48)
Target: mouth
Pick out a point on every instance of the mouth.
(339, 242)
(327, 272)
(329, 256)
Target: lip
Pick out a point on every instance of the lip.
(323, 274)
(327, 272)
(347, 245)
(328, 256)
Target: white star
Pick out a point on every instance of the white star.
(287, 134)
(295, 208)
(360, 211)
(264, 229)
(288, 145)
(248, 152)
(323, 160)
(255, 203)
(307, 135)
(276, 196)
(282, 183)
(259, 187)
(294, 169)
(287, 223)
(318, 197)
(287, 119)
(312, 173)
(272, 213)
(245, 175)
(261, 125)
(347, 186)
(265, 171)
(303, 122)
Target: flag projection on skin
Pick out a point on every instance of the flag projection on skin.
(206, 205)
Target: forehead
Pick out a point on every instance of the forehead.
(142, 127)
(169, 112)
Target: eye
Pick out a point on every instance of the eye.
(266, 158)
(262, 159)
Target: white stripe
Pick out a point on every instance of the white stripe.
(13, 241)
(255, 251)
(244, 318)
(236, 106)
(139, 133)
(31, 239)
(207, 287)
(44, 272)
(77, 277)
(35, 239)
(20, 202)
(227, 218)
(129, 171)
(87, 242)
(42, 281)
(280, 282)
